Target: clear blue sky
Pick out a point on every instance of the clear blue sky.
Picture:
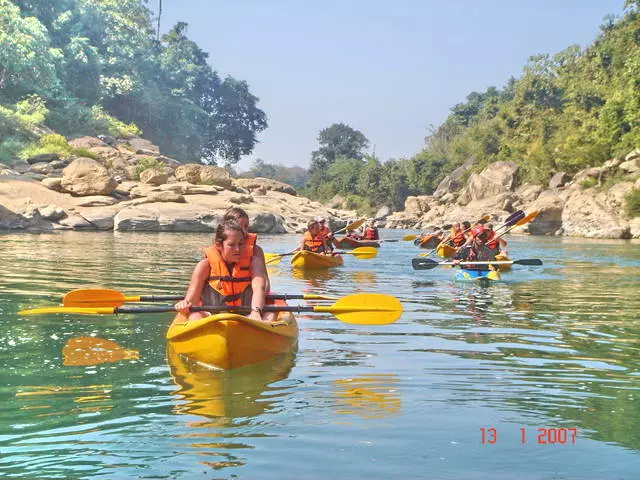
(387, 68)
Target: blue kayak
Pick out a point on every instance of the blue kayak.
(465, 275)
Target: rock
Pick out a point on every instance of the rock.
(166, 217)
(189, 172)
(634, 227)
(383, 212)
(20, 166)
(159, 197)
(169, 162)
(106, 155)
(615, 196)
(54, 184)
(252, 184)
(143, 146)
(266, 223)
(633, 154)
(52, 213)
(418, 205)
(153, 177)
(630, 166)
(97, 201)
(87, 142)
(43, 157)
(549, 206)
(212, 175)
(41, 168)
(497, 178)
(109, 140)
(558, 180)
(585, 215)
(85, 176)
(453, 181)
(528, 192)
(239, 199)
(336, 202)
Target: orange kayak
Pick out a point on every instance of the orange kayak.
(349, 242)
(430, 241)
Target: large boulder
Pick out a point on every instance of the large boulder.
(87, 142)
(85, 176)
(549, 206)
(189, 172)
(559, 179)
(497, 178)
(417, 205)
(586, 214)
(212, 175)
(264, 184)
(453, 181)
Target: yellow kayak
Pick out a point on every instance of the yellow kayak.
(309, 260)
(503, 268)
(230, 340)
(446, 251)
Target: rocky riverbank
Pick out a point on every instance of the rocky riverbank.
(128, 185)
(589, 204)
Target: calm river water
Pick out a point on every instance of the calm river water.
(535, 377)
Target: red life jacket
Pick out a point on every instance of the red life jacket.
(230, 284)
(371, 233)
(492, 240)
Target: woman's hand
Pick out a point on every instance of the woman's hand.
(255, 315)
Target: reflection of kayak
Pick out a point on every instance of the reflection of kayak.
(215, 393)
(371, 396)
(310, 260)
(465, 275)
(229, 340)
(349, 242)
(446, 251)
(429, 241)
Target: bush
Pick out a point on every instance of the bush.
(632, 203)
(146, 163)
(84, 152)
(9, 150)
(588, 182)
(52, 143)
(114, 126)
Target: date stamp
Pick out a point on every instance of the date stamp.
(540, 436)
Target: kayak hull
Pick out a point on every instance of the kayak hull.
(430, 241)
(228, 340)
(482, 276)
(446, 251)
(311, 261)
(348, 243)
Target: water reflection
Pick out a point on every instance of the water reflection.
(82, 351)
(368, 396)
(223, 396)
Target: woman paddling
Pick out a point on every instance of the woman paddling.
(229, 275)
(313, 239)
(476, 251)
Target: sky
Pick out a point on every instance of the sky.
(390, 69)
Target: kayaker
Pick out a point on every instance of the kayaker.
(495, 243)
(229, 275)
(313, 240)
(466, 231)
(370, 231)
(242, 218)
(476, 251)
(456, 235)
(324, 230)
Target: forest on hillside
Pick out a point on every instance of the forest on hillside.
(87, 67)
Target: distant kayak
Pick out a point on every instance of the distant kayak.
(350, 242)
(446, 251)
(429, 241)
(482, 276)
(309, 260)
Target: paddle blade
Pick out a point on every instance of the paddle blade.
(77, 310)
(528, 218)
(93, 297)
(420, 263)
(408, 238)
(528, 261)
(365, 309)
(272, 258)
(513, 218)
(354, 225)
(362, 252)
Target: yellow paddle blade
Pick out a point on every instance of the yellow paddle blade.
(354, 225)
(312, 296)
(408, 238)
(95, 297)
(81, 351)
(362, 252)
(365, 309)
(78, 310)
(528, 218)
(272, 258)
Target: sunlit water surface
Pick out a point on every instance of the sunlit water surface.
(550, 354)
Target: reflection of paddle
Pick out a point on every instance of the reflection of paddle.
(360, 252)
(360, 308)
(103, 297)
(428, 263)
(81, 351)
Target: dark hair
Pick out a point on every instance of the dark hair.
(482, 221)
(226, 226)
(311, 223)
(482, 236)
(235, 213)
(466, 225)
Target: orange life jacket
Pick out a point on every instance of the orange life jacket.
(371, 233)
(492, 241)
(231, 284)
(313, 244)
(324, 231)
(458, 240)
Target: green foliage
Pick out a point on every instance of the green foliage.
(112, 125)
(9, 149)
(84, 152)
(632, 203)
(588, 182)
(295, 176)
(51, 143)
(145, 163)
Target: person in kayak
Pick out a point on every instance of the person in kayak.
(456, 235)
(324, 230)
(476, 251)
(313, 240)
(229, 275)
(370, 231)
(495, 243)
(242, 218)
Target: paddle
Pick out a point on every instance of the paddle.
(523, 221)
(360, 308)
(360, 252)
(428, 263)
(104, 297)
(351, 226)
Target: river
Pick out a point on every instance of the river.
(534, 377)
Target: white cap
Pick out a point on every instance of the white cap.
(320, 218)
